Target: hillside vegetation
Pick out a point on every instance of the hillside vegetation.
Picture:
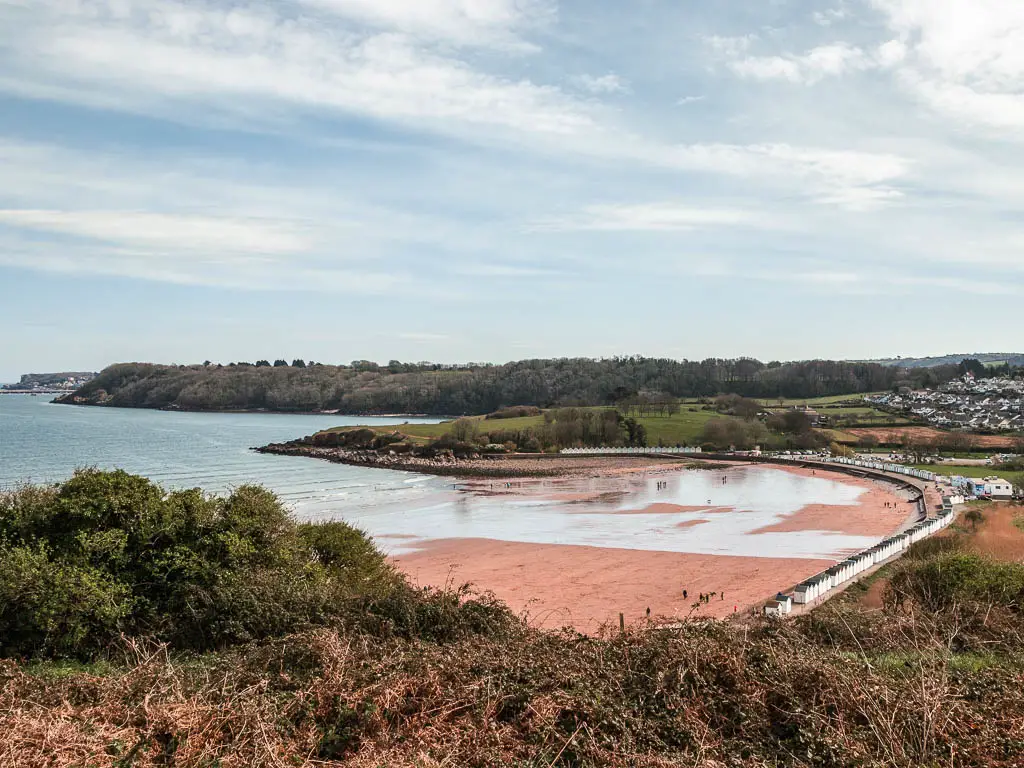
(148, 629)
(366, 388)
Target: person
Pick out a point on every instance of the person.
(685, 595)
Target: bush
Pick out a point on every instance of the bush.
(515, 412)
(108, 554)
(945, 580)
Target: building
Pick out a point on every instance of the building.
(991, 488)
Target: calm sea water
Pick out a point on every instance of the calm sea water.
(42, 442)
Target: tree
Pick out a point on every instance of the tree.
(280, 363)
(465, 430)
(262, 363)
(975, 517)
(867, 442)
(974, 367)
(636, 433)
(298, 363)
(838, 449)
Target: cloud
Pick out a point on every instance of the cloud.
(730, 46)
(817, 64)
(830, 16)
(604, 84)
(689, 100)
(463, 22)
(167, 231)
(964, 58)
(828, 176)
(240, 61)
(503, 270)
(652, 217)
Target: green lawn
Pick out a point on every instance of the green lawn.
(815, 402)
(683, 428)
(1017, 478)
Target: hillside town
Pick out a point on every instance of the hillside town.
(49, 383)
(976, 405)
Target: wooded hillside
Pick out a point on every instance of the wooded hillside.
(368, 388)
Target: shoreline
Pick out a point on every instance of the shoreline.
(499, 466)
(584, 586)
(263, 411)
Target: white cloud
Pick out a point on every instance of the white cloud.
(689, 100)
(828, 17)
(824, 61)
(730, 45)
(830, 176)
(891, 53)
(604, 84)
(503, 270)
(160, 230)
(465, 22)
(964, 58)
(662, 216)
(250, 57)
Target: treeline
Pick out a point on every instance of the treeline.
(367, 388)
(467, 438)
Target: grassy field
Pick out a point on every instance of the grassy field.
(814, 402)
(683, 428)
(1017, 478)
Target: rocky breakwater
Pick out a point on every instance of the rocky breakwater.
(365, 447)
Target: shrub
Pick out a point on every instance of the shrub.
(515, 412)
(109, 554)
(943, 581)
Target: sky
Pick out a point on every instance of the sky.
(488, 180)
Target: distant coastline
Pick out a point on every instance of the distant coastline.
(67, 399)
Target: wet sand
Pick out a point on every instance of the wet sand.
(585, 587)
(879, 512)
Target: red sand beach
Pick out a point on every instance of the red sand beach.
(584, 587)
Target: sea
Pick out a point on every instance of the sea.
(42, 442)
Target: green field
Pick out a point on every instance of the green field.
(1017, 478)
(814, 402)
(683, 428)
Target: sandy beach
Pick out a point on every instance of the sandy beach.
(584, 587)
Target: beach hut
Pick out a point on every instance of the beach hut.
(785, 603)
(802, 593)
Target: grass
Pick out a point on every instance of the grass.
(1017, 478)
(683, 428)
(814, 402)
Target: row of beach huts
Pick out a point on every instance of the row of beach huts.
(652, 451)
(881, 466)
(818, 586)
